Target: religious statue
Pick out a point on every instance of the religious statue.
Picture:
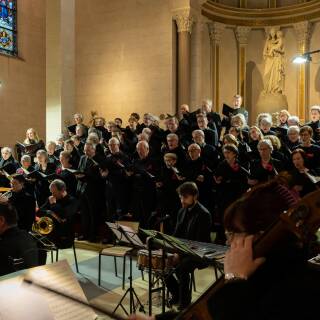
(273, 55)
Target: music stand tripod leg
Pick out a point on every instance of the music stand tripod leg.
(132, 294)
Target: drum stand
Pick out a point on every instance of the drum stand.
(132, 295)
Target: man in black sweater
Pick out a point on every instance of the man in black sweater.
(193, 223)
(14, 243)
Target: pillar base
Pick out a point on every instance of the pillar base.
(271, 102)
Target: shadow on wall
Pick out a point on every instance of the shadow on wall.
(254, 85)
(317, 82)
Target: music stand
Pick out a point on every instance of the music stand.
(129, 237)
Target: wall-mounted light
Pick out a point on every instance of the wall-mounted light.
(304, 58)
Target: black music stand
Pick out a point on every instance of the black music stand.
(129, 237)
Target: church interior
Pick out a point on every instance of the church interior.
(160, 159)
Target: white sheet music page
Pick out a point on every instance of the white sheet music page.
(19, 303)
(60, 277)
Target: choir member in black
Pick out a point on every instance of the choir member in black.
(78, 144)
(214, 120)
(239, 122)
(173, 146)
(65, 173)
(236, 106)
(231, 179)
(146, 122)
(99, 124)
(62, 208)
(24, 203)
(8, 164)
(303, 178)
(293, 138)
(183, 133)
(93, 138)
(118, 122)
(188, 121)
(193, 223)
(32, 144)
(282, 128)
(197, 171)
(52, 154)
(143, 184)
(255, 135)
(25, 168)
(78, 121)
(209, 153)
(315, 122)
(278, 151)
(74, 153)
(243, 149)
(130, 134)
(117, 189)
(265, 168)
(90, 191)
(168, 180)
(265, 126)
(14, 243)
(211, 135)
(82, 132)
(41, 183)
(312, 150)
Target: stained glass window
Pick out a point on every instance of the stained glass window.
(8, 27)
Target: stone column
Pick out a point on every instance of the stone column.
(242, 35)
(184, 21)
(272, 3)
(303, 35)
(215, 33)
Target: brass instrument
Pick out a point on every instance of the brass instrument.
(43, 226)
(7, 194)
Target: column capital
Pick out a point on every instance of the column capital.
(184, 20)
(215, 31)
(303, 32)
(242, 34)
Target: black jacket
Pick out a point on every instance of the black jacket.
(17, 243)
(194, 224)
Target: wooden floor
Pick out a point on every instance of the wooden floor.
(109, 299)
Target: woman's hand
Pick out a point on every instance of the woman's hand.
(239, 259)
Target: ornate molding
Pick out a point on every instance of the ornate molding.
(303, 32)
(215, 31)
(257, 18)
(184, 20)
(242, 34)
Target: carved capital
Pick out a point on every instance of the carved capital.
(184, 20)
(215, 31)
(303, 32)
(242, 35)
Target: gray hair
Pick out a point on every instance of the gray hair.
(59, 184)
(265, 142)
(294, 129)
(26, 157)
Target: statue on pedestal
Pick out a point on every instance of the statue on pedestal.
(272, 98)
(273, 53)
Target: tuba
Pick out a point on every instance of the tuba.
(43, 225)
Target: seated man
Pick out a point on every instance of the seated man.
(14, 243)
(61, 207)
(193, 223)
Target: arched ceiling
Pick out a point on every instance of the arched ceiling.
(259, 17)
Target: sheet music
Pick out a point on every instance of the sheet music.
(132, 235)
(60, 277)
(18, 303)
(114, 228)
